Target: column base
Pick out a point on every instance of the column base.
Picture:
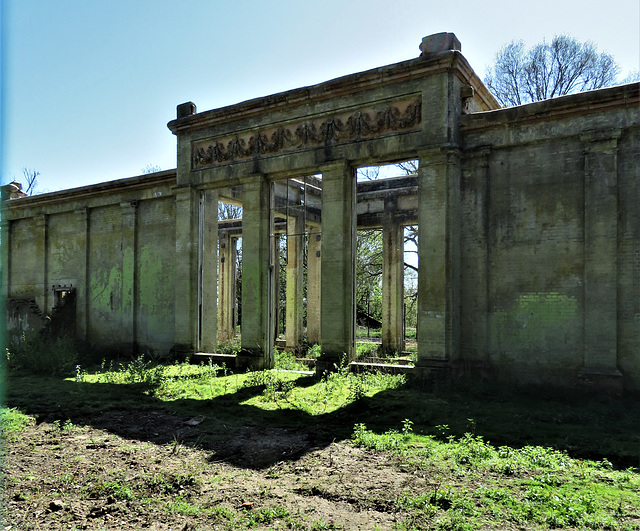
(601, 379)
(330, 363)
(180, 352)
(252, 360)
(432, 372)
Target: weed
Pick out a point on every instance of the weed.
(223, 512)
(366, 349)
(111, 488)
(138, 371)
(12, 421)
(286, 361)
(392, 440)
(231, 346)
(42, 354)
(314, 351)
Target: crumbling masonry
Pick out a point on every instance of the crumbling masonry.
(529, 229)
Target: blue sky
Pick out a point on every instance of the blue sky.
(88, 86)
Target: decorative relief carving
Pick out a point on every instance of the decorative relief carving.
(335, 129)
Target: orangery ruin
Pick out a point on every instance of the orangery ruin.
(528, 247)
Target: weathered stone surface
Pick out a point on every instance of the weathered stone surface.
(529, 248)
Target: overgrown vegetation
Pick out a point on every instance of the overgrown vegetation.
(41, 353)
(478, 485)
(279, 449)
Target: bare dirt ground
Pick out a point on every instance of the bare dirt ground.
(82, 477)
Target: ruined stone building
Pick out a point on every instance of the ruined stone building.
(528, 220)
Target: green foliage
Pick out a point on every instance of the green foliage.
(137, 371)
(391, 440)
(43, 354)
(117, 490)
(365, 349)
(471, 450)
(277, 387)
(369, 272)
(314, 351)
(456, 480)
(12, 421)
(264, 516)
(231, 346)
(286, 361)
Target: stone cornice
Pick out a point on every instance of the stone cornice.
(580, 104)
(335, 88)
(167, 177)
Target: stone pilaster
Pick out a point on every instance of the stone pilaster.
(338, 265)
(186, 270)
(600, 261)
(5, 267)
(82, 291)
(208, 271)
(129, 288)
(257, 275)
(392, 279)
(439, 256)
(41, 242)
(295, 263)
(314, 267)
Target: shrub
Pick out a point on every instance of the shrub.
(43, 354)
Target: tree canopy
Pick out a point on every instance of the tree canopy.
(549, 69)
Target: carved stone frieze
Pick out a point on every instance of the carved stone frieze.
(350, 126)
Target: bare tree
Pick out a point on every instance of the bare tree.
(549, 69)
(31, 180)
(150, 168)
(229, 211)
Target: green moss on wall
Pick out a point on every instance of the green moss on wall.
(538, 325)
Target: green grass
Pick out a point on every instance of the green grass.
(488, 458)
(12, 422)
(479, 484)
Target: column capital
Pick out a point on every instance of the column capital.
(253, 181)
(183, 192)
(600, 139)
(41, 219)
(129, 207)
(479, 155)
(82, 213)
(438, 152)
(335, 166)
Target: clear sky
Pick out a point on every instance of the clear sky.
(88, 86)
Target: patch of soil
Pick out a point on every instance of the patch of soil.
(133, 472)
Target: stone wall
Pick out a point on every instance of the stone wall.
(529, 248)
(113, 245)
(550, 246)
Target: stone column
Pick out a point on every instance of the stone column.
(82, 291)
(294, 287)
(226, 288)
(313, 285)
(338, 265)
(186, 271)
(439, 257)
(129, 295)
(5, 238)
(257, 276)
(41, 243)
(208, 269)
(600, 261)
(392, 279)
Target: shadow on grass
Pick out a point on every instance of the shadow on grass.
(586, 427)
